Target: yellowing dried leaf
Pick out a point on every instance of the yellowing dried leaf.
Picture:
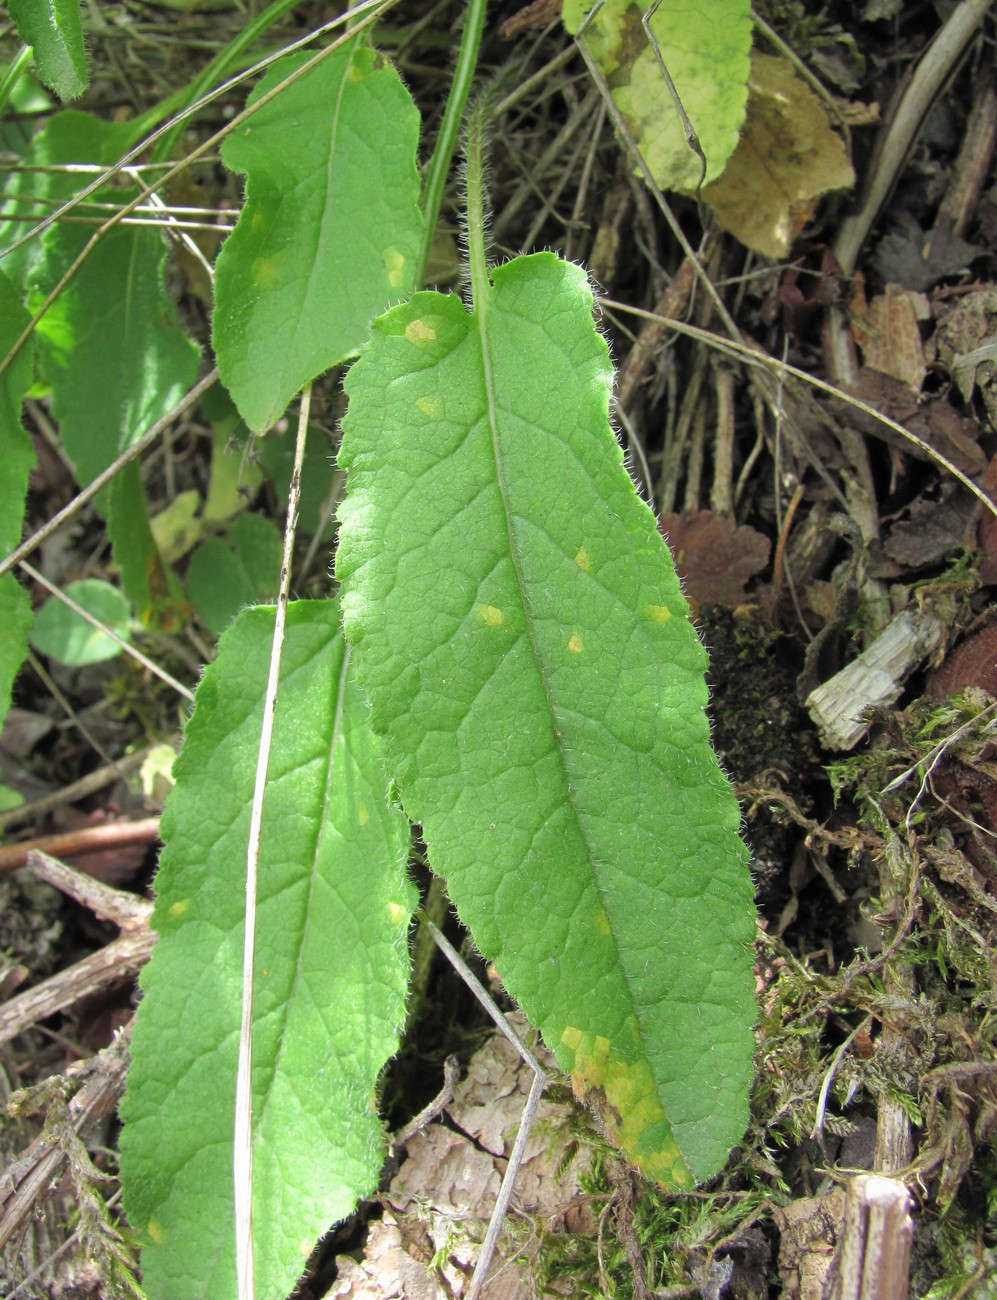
(787, 157)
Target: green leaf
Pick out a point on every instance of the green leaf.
(54, 31)
(705, 49)
(240, 569)
(521, 635)
(32, 191)
(16, 459)
(332, 968)
(330, 230)
(146, 578)
(66, 636)
(15, 619)
(111, 346)
(16, 452)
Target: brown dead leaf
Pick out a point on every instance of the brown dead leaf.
(787, 157)
(973, 663)
(886, 329)
(918, 259)
(933, 528)
(715, 558)
(934, 420)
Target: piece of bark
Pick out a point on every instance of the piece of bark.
(873, 1262)
(840, 706)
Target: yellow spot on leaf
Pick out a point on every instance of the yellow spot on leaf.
(575, 644)
(658, 613)
(156, 1232)
(602, 921)
(305, 1247)
(178, 909)
(354, 74)
(257, 221)
(431, 406)
(623, 1095)
(363, 816)
(490, 615)
(419, 333)
(584, 560)
(265, 271)
(397, 913)
(396, 265)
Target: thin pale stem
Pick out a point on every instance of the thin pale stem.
(242, 1158)
(753, 357)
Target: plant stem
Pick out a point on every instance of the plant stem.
(446, 141)
(12, 73)
(476, 216)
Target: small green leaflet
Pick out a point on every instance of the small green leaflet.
(520, 632)
(333, 964)
(330, 230)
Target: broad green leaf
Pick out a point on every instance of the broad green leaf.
(705, 49)
(330, 230)
(111, 346)
(16, 459)
(31, 192)
(15, 619)
(54, 31)
(332, 968)
(69, 638)
(242, 568)
(520, 632)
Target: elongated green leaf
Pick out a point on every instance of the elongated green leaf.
(528, 655)
(16, 459)
(705, 49)
(330, 230)
(330, 983)
(54, 31)
(111, 345)
(16, 453)
(32, 191)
